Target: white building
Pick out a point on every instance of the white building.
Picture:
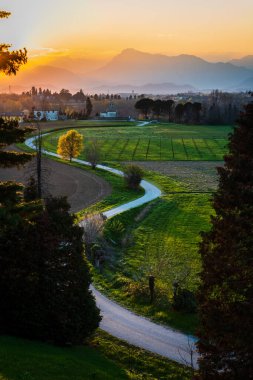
(49, 115)
(109, 114)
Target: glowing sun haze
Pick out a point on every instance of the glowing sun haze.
(99, 29)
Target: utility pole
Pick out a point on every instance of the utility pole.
(38, 156)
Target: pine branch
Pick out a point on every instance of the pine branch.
(4, 14)
(9, 159)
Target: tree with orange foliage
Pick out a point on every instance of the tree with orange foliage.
(70, 145)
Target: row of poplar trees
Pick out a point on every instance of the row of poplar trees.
(44, 275)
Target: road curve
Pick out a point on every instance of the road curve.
(141, 332)
(121, 322)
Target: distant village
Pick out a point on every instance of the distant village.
(45, 105)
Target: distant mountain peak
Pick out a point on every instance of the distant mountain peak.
(129, 51)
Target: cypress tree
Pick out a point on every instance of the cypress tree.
(226, 294)
(44, 283)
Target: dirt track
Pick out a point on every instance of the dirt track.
(197, 175)
(81, 187)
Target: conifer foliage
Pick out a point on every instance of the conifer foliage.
(10, 61)
(226, 294)
(44, 283)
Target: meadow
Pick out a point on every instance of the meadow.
(127, 141)
(159, 239)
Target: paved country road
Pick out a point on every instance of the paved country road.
(143, 333)
(126, 325)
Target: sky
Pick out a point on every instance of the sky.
(100, 29)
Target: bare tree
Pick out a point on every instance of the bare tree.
(93, 153)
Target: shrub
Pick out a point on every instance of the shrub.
(133, 175)
(184, 300)
(93, 153)
(114, 231)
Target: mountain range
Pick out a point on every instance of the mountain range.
(132, 70)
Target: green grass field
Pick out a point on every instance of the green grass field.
(161, 142)
(164, 242)
(160, 239)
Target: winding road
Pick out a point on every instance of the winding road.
(126, 325)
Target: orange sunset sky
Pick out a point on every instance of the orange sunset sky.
(100, 29)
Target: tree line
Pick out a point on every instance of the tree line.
(66, 95)
(216, 109)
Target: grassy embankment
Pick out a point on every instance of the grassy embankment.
(103, 358)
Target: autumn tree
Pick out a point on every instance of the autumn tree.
(226, 293)
(70, 144)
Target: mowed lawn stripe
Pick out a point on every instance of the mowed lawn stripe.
(154, 149)
(117, 148)
(123, 149)
(141, 151)
(179, 151)
(193, 153)
(167, 152)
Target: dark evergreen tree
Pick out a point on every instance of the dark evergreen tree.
(226, 293)
(168, 108)
(89, 107)
(196, 109)
(79, 96)
(44, 284)
(179, 112)
(188, 113)
(144, 105)
(158, 107)
(11, 133)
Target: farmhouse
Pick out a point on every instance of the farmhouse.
(108, 115)
(48, 115)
